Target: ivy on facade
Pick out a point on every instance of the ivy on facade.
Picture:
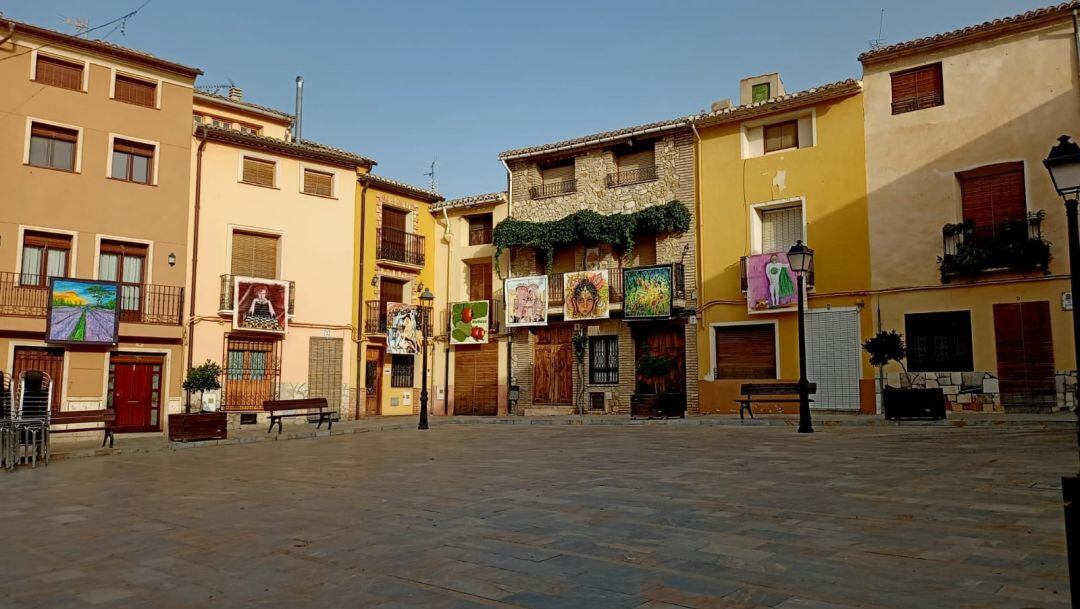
(588, 226)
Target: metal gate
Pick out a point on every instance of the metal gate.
(252, 372)
(832, 357)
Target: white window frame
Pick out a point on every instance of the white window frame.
(148, 277)
(73, 257)
(752, 133)
(155, 163)
(318, 169)
(30, 120)
(84, 87)
(709, 376)
(140, 76)
(755, 219)
(258, 157)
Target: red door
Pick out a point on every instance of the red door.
(1025, 353)
(135, 393)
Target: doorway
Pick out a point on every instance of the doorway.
(476, 384)
(553, 357)
(833, 356)
(49, 360)
(372, 380)
(135, 391)
(1025, 354)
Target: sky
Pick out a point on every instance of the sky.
(408, 82)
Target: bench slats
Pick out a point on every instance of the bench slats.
(749, 389)
(297, 404)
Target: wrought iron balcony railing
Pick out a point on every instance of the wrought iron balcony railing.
(400, 246)
(375, 317)
(810, 278)
(23, 295)
(553, 189)
(971, 249)
(624, 177)
(556, 287)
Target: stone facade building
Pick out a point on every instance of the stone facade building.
(617, 172)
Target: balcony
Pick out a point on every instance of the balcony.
(375, 317)
(556, 291)
(1017, 245)
(225, 304)
(631, 176)
(396, 245)
(139, 303)
(553, 189)
(810, 278)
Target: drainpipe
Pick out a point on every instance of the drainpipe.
(509, 260)
(10, 32)
(361, 355)
(449, 237)
(1076, 35)
(195, 256)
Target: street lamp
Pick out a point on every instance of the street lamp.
(425, 311)
(1063, 163)
(801, 260)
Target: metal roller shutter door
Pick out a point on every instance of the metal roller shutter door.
(832, 357)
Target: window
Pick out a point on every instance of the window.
(132, 161)
(220, 123)
(603, 360)
(53, 147)
(559, 172)
(745, 352)
(125, 263)
(197, 119)
(252, 371)
(633, 164)
(917, 89)
(780, 228)
(135, 91)
(760, 92)
(781, 136)
(258, 172)
(318, 183)
(59, 73)
(250, 130)
(479, 280)
(938, 342)
(254, 255)
(44, 255)
(993, 194)
(479, 229)
(401, 370)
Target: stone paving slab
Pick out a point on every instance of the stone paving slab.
(634, 516)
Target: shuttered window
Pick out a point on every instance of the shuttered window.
(917, 89)
(638, 159)
(132, 161)
(401, 370)
(258, 172)
(324, 370)
(557, 173)
(780, 228)
(479, 229)
(994, 194)
(745, 352)
(318, 183)
(59, 73)
(254, 255)
(603, 360)
(939, 342)
(44, 255)
(480, 281)
(782, 136)
(135, 91)
(53, 147)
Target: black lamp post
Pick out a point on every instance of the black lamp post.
(425, 312)
(801, 259)
(1063, 163)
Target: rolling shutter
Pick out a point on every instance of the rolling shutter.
(832, 358)
(476, 386)
(254, 255)
(916, 89)
(641, 159)
(59, 73)
(780, 229)
(259, 172)
(1025, 354)
(318, 183)
(558, 173)
(994, 194)
(135, 91)
(480, 281)
(746, 352)
(324, 370)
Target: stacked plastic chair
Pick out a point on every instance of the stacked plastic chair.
(31, 417)
(7, 427)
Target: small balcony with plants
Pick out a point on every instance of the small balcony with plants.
(971, 249)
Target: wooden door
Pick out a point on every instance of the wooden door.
(135, 392)
(393, 233)
(480, 280)
(476, 385)
(44, 359)
(1025, 353)
(372, 380)
(553, 357)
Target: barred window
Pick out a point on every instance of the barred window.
(401, 370)
(603, 360)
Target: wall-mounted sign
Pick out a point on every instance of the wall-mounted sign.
(260, 304)
(586, 295)
(84, 312)
(469, 322)
(402, 328)
(647, 292)
(1066, 301)
(526, 301)
(770, 284)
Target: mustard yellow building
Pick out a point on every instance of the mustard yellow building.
(394, 263)
(776, 169)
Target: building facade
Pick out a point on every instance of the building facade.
(967, 235)
(95, 172)
(583, 213)
(470, 373)
(777, 169)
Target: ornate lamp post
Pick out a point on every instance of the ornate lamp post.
(1063, 163)
(425, 312)
(801, 259)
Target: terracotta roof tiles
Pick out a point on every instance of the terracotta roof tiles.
(472, 201)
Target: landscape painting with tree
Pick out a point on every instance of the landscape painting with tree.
(587, 295)
(647, 292)
(469, 322)
(260, 304)
(83, 312)
(402, 328)
(526, 301)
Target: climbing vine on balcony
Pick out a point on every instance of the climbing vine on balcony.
(588, 226)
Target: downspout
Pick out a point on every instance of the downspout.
(195, 256)
(1076, 35)
(449, 236)
(361, 355)
(10, 32)
(509, 266)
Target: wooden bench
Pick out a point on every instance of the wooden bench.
(750, 390)
(105, 416)
(280, 409)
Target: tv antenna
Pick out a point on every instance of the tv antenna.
(217, 88)
(879, 42)
(81, 24)
(431, 175)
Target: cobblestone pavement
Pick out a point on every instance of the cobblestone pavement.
(539, 517)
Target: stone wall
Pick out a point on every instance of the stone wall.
(964, 391)
(1065, 386)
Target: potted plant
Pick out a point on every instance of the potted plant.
(654, 398)
(199, 425)
(903, 402)
(581, 345)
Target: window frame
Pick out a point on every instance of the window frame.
(939, 74)
(597, 375)
(133, 143)
(472, 219)
(768, 92)
(118, 76)
(82, 64)
(794, 122)
(76, 161)
(44, 237)
(397, 375)
(259, 159)
(962, 362)
(304, 169)
(757, 226)
(716, 328)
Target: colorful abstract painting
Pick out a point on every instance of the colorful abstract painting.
(260, 305)
(770, 284)
(586, 295)
(402, 328)
(647, 292)
(82, 312)
(526, 301)
(469, 322)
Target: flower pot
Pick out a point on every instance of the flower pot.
(913, 403)
(198, 426)
(644, 406)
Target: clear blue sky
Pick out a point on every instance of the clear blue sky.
(404, 82)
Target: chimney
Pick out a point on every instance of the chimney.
(757, 89)
(722, 104)
(298, 121)
(236, 93)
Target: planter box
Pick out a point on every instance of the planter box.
(913, 403)
(653, 406)
(198, 426)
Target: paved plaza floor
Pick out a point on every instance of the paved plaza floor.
(589, 517)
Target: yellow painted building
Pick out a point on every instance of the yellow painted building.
(775, 169)
(394, 263)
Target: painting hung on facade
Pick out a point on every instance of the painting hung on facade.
(260, 305)
(402, 328)
(647, 292)
(526, 301)
(770, 284)
(82, 312)
(586, 295)
(469, 322)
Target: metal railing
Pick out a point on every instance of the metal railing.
(969, 249)
(140, 303)
(375, 317)
(810, 277)
(480, 235)
(556, 287)
(553, 189)
(225, 303)
(631, 176)
(400, 246)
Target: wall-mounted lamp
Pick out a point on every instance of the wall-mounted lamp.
(374, 280)
(420, 287)
(172, 259)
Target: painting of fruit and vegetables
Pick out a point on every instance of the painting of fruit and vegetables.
(647, 292)
(82, 312)
(469, 322)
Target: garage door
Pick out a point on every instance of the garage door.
(476, 379)
(832, 358)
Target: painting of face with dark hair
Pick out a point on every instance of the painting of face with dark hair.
(586, 295)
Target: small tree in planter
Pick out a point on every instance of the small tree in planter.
(581, 345)
(903, 402)
(652, 397)
(202, 378)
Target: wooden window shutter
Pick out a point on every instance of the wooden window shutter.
(639, 159)
(128, 147)
(254, 255)
(918, 88)
(318, 183)
(135, 91)
(36, 239)
(480, 281)
(782, 136)
(394, 218)
(258, 172)
(59, 73)
(994, 194)
(746, 352)
(558, 173)
(54, 133)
